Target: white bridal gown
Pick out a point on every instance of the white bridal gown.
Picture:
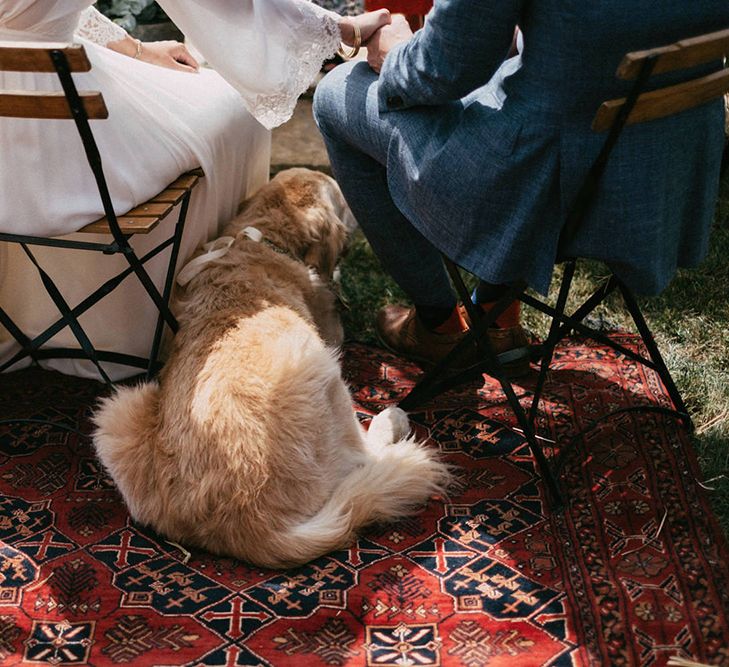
(161, 123)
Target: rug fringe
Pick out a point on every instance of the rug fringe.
(677, 661)
(186, 554)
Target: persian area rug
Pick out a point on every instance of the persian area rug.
(632, 572)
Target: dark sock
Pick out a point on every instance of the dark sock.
(486, 292)
(433, 316)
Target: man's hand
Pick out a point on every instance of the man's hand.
(385, 39)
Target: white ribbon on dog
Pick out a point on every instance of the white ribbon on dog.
(213, 250)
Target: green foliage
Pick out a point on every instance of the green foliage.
(127, 13)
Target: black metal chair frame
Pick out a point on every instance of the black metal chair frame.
(438, 379)
(118, 245)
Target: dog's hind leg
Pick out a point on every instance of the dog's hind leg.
(386, 428)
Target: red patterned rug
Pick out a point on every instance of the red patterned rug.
(634, 571)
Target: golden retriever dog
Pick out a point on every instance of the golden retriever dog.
(248, 445)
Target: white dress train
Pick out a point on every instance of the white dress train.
(161, 123)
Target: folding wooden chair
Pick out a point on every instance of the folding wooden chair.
(612, 116)
(81, 107)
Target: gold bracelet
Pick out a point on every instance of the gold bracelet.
(356, 46)
(139, 49)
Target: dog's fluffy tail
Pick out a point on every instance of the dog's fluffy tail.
(392, 482)
(125, 423)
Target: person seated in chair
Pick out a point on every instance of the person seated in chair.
(166, 116)
(454, 149)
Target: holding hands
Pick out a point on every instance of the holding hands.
(385, 39)
(368, 24)
(380, 33)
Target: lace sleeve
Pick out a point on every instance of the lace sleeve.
(95, 27)
(319, 38)
(269, 50)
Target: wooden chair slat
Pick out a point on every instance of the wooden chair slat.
(151, 209)
(127, 224)
(49, 105)
(174, 193)
(169, 196)
(145, 217)
(665, 101)
(185, 182)
(681, 55)
(35, 57)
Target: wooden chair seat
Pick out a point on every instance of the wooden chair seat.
(145, 217)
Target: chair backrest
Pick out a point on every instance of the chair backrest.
(29, 57)
(669, 100)
(79, 106)
(639, 107)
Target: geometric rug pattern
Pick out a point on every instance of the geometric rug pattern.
(632, 571)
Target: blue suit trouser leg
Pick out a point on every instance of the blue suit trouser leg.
(357, 136)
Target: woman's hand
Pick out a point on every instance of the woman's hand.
(173, 55)
(368, 24)
(385, 39)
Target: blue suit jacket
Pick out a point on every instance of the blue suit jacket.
(491, 186)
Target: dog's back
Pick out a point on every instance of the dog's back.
(239, 438)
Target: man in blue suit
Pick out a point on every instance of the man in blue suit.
(454, 148)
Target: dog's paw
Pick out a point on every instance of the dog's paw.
(391, 425)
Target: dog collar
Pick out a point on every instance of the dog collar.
(219, 248)
(255, 234)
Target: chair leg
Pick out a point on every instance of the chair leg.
(595, 299)
(174, 252)
(655, 355)
(473, 311)
(433, 384)
(574, 322)
(527, 426)
(67, 315)
(148, 284)
(552, 339)
(33, 348)
(27, 349)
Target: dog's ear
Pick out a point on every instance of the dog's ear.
(334, 227)
(325, 249)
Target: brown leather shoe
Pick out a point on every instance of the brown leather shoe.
(401, 331)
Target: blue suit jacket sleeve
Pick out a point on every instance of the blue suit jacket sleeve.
(460, 48)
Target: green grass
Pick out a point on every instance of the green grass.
(690, 321)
